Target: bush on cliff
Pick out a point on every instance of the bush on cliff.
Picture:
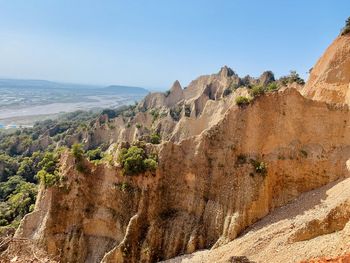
(49, 174)
(293, 77)
(242, 101)
(155, 138)
(259, 167)
(346, 29)
(135, 160)
(77, 150)
(95, 154)
(257, 91)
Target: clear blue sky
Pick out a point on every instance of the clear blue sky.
(151, 43)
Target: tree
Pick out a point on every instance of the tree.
(346, 29)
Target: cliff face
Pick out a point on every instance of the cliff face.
(221, 168)
(207, 189)
(330, 78)
(313, 228)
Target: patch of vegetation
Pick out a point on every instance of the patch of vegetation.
(95, 154)
(28, 157)
(155, 114)
(259, 167)
(272, 87)
(151, 164)
(134, 160)
(346, 29)
(17, 198)
(78, 153)
(49, 174)
(155, 138)
(175, 113)
(187, 110)
(293, 77)
(233, 86)
(124, 187)
(242, 101)
(256, 91)
(110, 113)
(138, 125)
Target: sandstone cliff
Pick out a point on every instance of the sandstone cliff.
(330, 78)
(221, 168)
(207, 189)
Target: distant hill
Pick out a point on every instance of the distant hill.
(41, 84)
(45, 84)
(125, 90)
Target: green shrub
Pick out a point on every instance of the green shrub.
(151, 164)
(257, 91)
(293, 77)
(241, 101)
(155, 138)
(124, 187)
(272, 87)
(134, 161)
(259, 167)
(155, 114)
(346, 29)
(95, 154)
(20, 197)
(48, 179)
(49, 162)
(187, 110)
(175, 113)
(77, 151)
(138, 125)
(110, 113)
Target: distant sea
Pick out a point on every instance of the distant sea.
(23, 102)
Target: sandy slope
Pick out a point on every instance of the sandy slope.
(314, 225)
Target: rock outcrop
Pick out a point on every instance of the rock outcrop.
(207, 189)
(330, 78)
(221, 169)
(313, 228)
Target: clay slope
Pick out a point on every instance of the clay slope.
(314, 225)
(330, 78)
(208, 188)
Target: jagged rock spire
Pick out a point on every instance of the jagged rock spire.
(225, 71)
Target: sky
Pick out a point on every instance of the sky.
(155, 42)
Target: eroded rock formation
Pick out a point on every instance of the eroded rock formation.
(222, 167)
(330, 78)
(206, 190)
